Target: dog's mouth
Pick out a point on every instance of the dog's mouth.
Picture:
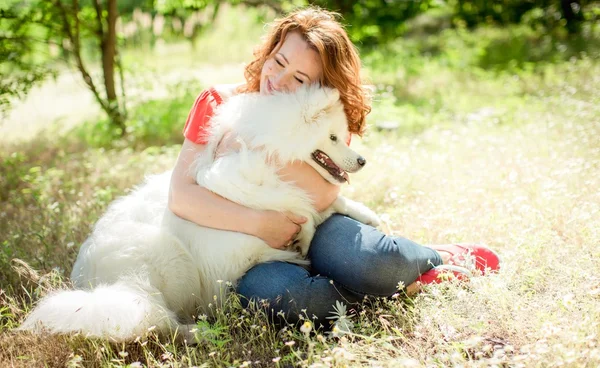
(327, 163)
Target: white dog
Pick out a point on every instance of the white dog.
(143, 266)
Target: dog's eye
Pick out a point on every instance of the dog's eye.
(333, 138)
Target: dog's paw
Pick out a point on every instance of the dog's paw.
(356, 210)
(371, 218)
(302, 245)
(367, 216)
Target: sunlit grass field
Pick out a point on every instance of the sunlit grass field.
(509, 158)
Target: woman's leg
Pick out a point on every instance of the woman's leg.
(291, 289)
(364, 260)
(349, 260)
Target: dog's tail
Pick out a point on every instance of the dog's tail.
(120, 312)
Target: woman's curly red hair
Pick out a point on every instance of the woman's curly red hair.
(339, 57)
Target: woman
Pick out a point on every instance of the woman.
(349, 259)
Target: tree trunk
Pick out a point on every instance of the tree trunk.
(109, 47)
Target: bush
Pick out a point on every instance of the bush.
(153, 122)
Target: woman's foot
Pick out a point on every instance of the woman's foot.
(459, 262)
(476, 258)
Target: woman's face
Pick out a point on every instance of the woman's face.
(292, 66)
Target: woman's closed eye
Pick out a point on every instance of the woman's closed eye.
(282, 65)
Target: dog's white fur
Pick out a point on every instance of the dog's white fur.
(143, 266)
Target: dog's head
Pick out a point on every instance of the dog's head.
(330, 154)
(308, 125)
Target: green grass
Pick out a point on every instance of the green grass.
(508, 157)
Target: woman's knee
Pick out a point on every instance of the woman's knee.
(365, 260)
(336, 231)
(269, 280)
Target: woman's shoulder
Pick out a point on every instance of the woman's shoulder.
(224, 91)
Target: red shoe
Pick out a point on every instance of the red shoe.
(444, 273)
(464, 259)
(472, 256)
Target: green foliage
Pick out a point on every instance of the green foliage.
(21, 42)
(438, 79)
(67, 26)
(549, 13)
(474, 12)
(152, 122)
(511, 48)
(175, 6)
(372, 22)
(375, 21)
(127, 7)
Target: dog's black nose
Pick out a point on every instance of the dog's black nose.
(361, 161)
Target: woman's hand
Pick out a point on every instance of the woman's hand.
(279, 229)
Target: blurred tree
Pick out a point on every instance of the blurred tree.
(194, 15)
(474, 12)
(375, 21)
(20, 70)
(127, 7)
(66, 24)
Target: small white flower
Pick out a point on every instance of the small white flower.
(306, 327)
(335, 331)
(75, 361)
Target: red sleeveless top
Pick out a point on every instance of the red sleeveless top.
(196, 126)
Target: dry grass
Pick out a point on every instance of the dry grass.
(528, 188)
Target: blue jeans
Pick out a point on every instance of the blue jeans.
(349, 260)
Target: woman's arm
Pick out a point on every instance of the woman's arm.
(304, 176)
(197, 204)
